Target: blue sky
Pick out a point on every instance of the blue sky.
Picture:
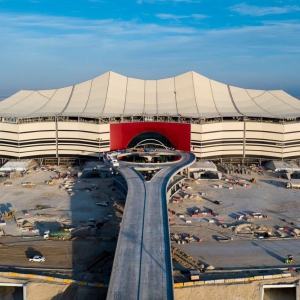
(49, 44)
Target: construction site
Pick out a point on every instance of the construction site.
(225, 225)
(70, 215)
(243, 225)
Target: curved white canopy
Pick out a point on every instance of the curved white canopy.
(188, 95)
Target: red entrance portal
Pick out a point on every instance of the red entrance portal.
(178, 134)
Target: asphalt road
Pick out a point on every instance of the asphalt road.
(244, 254)
(142, 266)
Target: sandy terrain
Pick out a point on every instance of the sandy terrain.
(74, 210)
(268, 196)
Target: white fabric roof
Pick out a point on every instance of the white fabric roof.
(188, 95)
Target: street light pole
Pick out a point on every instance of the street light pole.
(99, 141)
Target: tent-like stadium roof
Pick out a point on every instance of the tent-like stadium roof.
(187, 95)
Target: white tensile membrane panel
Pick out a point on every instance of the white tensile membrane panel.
(116, 94)
(188, 95)
(222, 99)
(97, 97)
(150, 98)
(26, 106)
(56, 104)
(245, 104)
(204, 98)
(6, 104)
(272, 104)
(185, 95)
(78, 99)
(166, 97)
(287, 98)
(135, 97)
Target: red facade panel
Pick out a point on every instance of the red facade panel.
(178, 134)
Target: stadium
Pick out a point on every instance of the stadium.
(188, 112)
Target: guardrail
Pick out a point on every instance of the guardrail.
(49, 278)
(231, 280)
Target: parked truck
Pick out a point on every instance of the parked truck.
(290, 185)
(57, 234)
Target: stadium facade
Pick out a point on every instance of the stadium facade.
(188, 112)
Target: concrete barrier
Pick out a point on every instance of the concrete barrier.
(49, 278)
(199, 283)
(99, 284)
(230, 280)
(190, 283)
(178, 285)
(68, 281)
(219, 281)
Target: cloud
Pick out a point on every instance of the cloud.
(178, 17)
(168, 1)
(258, 11)
(199, 16)
(170, 16)
(57, 51)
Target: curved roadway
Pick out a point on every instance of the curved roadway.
(143, 265)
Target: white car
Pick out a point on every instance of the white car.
(37, 258)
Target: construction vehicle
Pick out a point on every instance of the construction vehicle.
(289, 259)
(253, 180)
(40, 206)
(50, 182)
(27, 184)
(10, 214)
(57, 234)
(290, 185)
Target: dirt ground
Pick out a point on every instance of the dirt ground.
(247, 291)
(38, 290)
(268, 196)
(74, 208)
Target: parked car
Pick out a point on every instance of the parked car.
(217, 202)
(103, 203)
(37, 258)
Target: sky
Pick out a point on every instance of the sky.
(47, 44)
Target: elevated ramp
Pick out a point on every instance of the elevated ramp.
(143, 264)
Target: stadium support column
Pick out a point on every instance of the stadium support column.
(56, 139)
(99, 140)
(18, 122)
(244, 141)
